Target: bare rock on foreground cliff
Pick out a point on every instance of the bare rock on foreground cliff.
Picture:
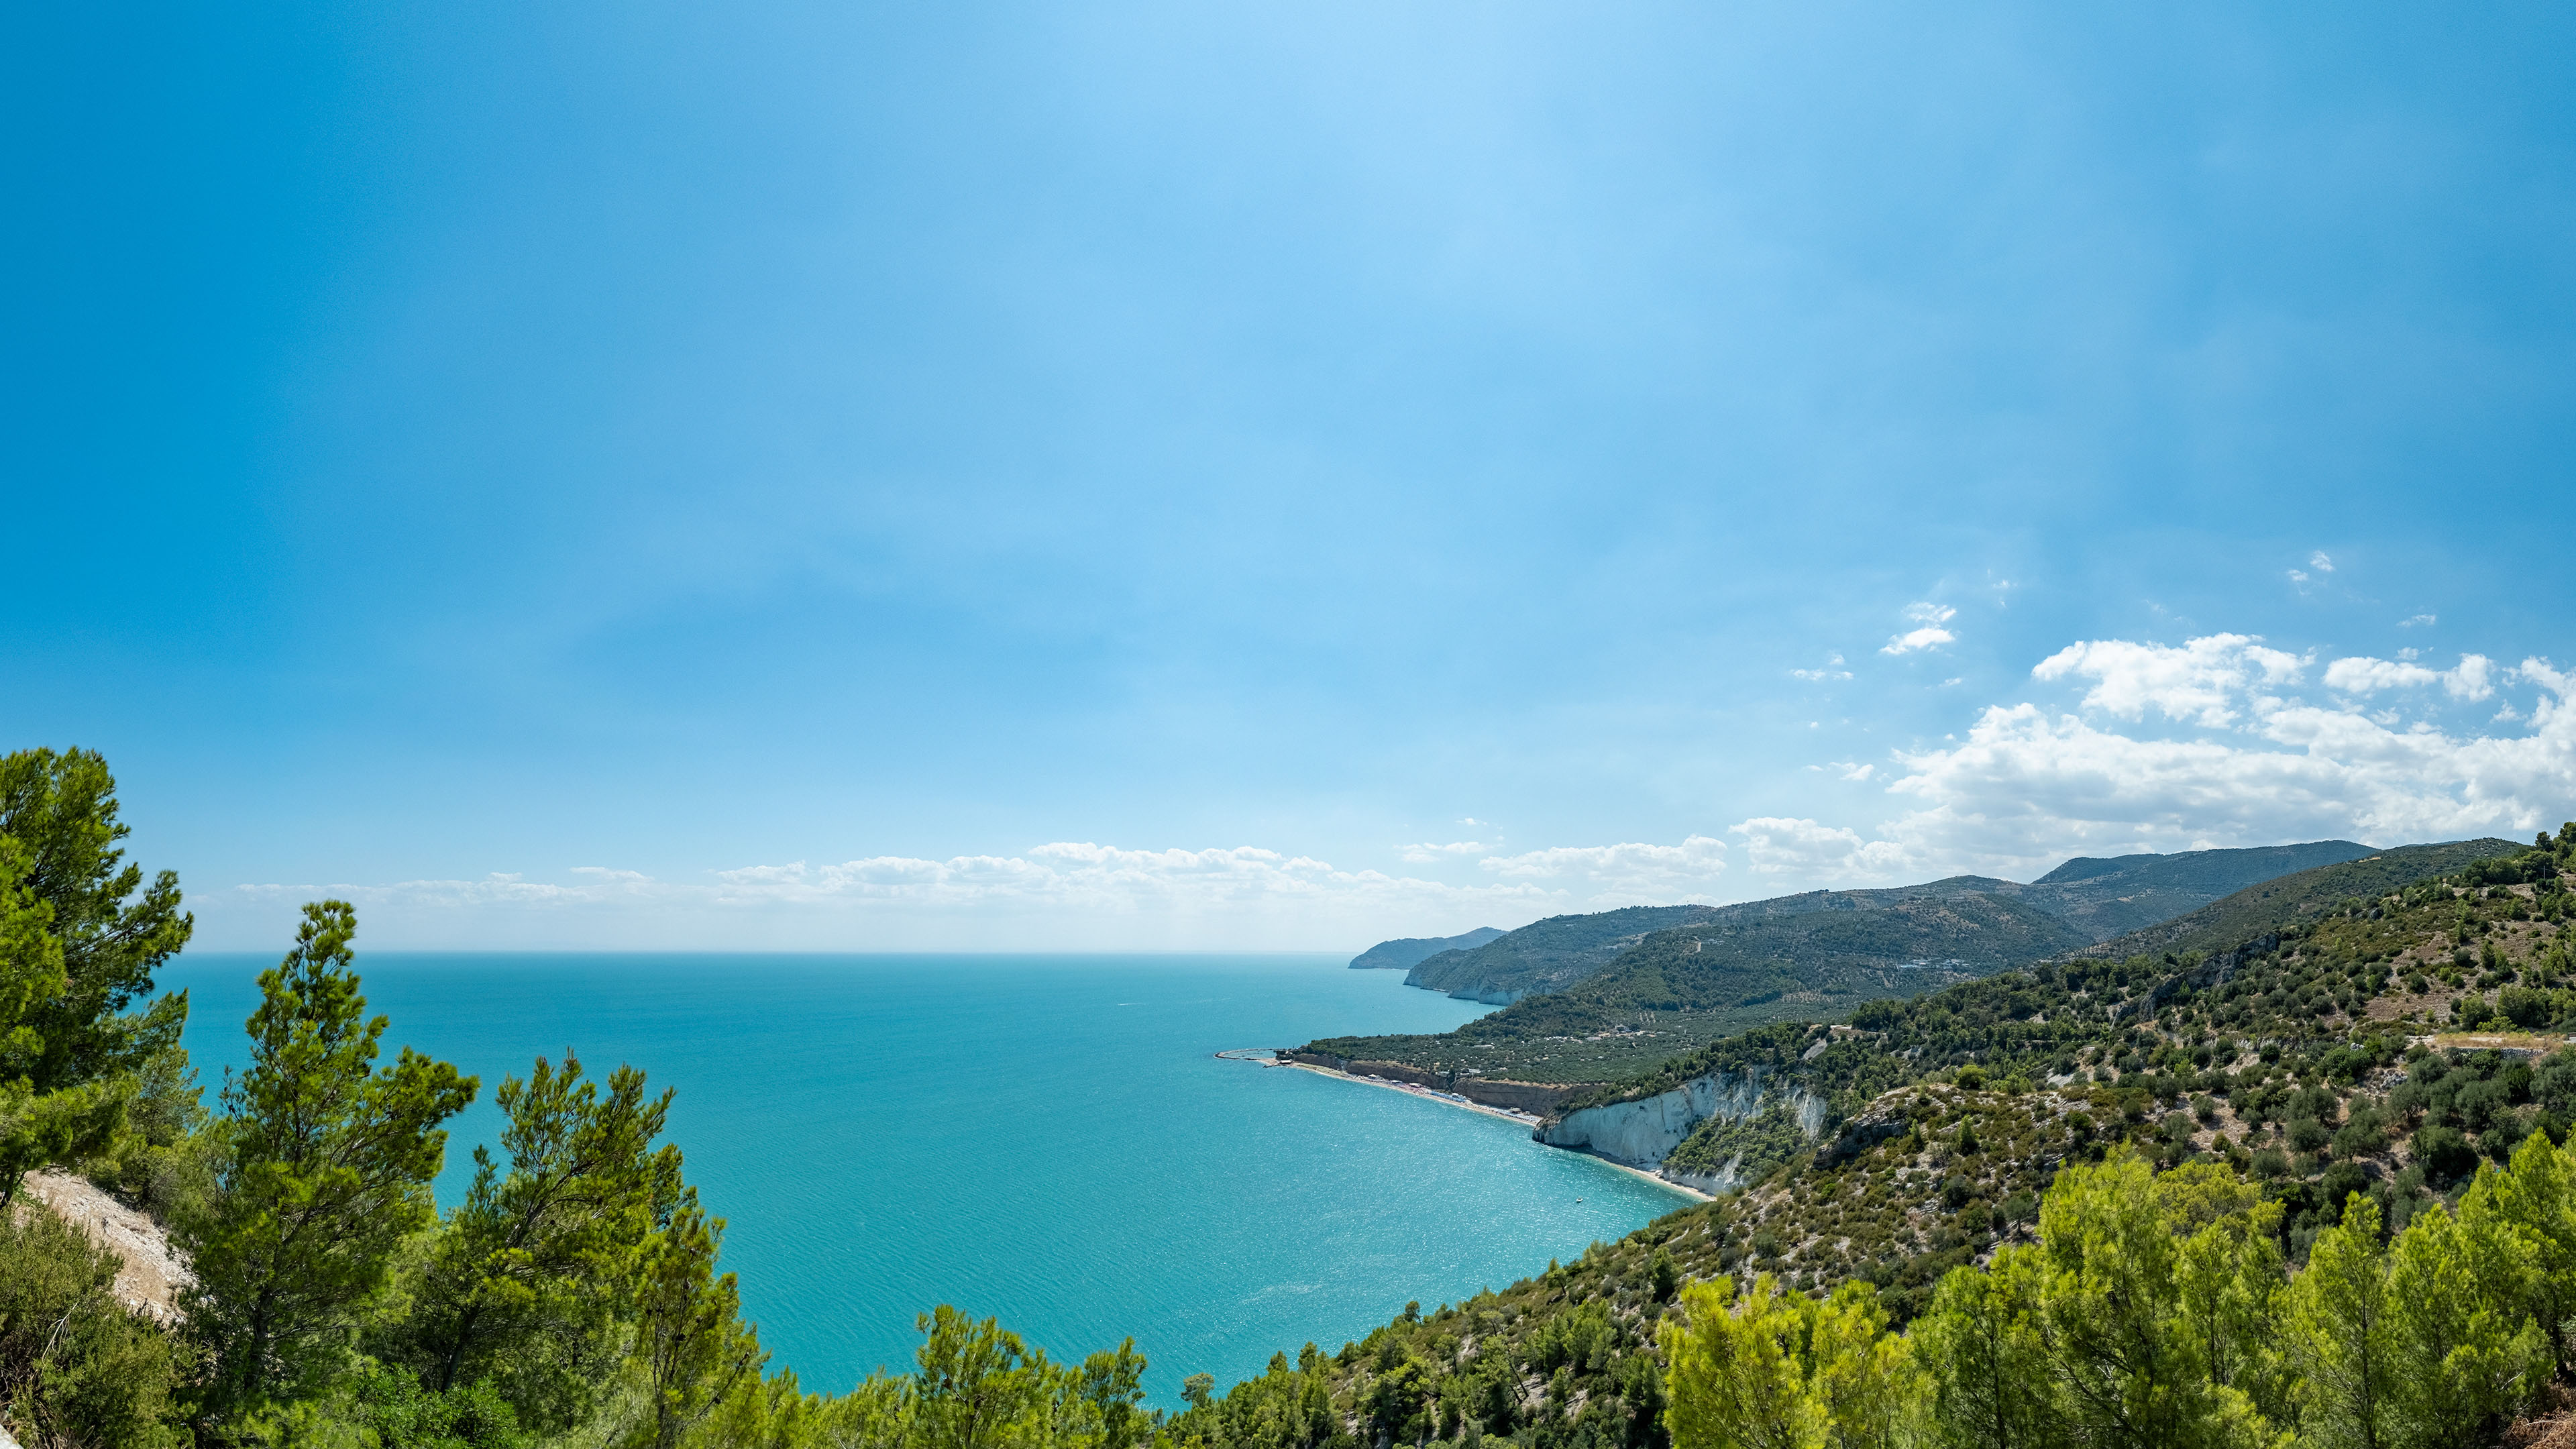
(150, 1276)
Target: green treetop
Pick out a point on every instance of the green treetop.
(80, 938)
(328, 1171)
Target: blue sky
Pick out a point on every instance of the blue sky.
(1174, 475)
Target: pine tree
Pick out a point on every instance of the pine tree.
(1732, 1372)
(2468, 1353)
(328, 1169)
(2535, 1198)
(2341, 1338)
(696, 1350)
(80, 938)
(528, 1284)
(2110, 1298)
(1982, 1344)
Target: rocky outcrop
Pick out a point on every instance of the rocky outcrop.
(150, 1275)
(1644, 1132)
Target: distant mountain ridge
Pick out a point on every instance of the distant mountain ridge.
(1399, 955)
(2092, 899)
(1821, 955)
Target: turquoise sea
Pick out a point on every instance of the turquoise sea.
(1046, 1138)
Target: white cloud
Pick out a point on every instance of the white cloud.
(2419, 620)
(1930, 618)
(2472, 679)
(1778, 846)
(1063, 895)
(2237, 760)
(1627, 874)
(2028, 787)
(2196, 682)
(2362, 675)
(2320, 562)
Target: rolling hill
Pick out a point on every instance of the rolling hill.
(2095, 899)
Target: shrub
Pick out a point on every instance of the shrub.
(2526, 1007)
(2443, 1152)
(77, 1366)
(2340, 1182)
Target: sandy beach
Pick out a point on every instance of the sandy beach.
(1524, 1118)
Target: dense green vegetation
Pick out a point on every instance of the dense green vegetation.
(2251, 912)
(2108, 897)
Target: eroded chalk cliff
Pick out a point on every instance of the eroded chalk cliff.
(1644, 1133)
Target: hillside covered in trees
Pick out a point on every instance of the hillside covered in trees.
(1823, 956)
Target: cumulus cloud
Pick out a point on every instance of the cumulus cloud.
(2320, 562)
(1778, 846)
(1928, 619)
(2028, 786)
(1426, 853)
(1833, 670)
(1627, 874)
(2472, 679)
(2201, 681)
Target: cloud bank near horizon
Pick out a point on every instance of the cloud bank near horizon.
(2218, 741)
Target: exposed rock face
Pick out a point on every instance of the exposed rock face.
(151, 1276)
(1644, 1132)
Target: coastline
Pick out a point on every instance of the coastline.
(1523, 1118)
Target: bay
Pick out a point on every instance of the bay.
(1049, 1139)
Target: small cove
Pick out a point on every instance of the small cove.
(1046, 1138)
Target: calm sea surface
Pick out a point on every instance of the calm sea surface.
(1046, 1138)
